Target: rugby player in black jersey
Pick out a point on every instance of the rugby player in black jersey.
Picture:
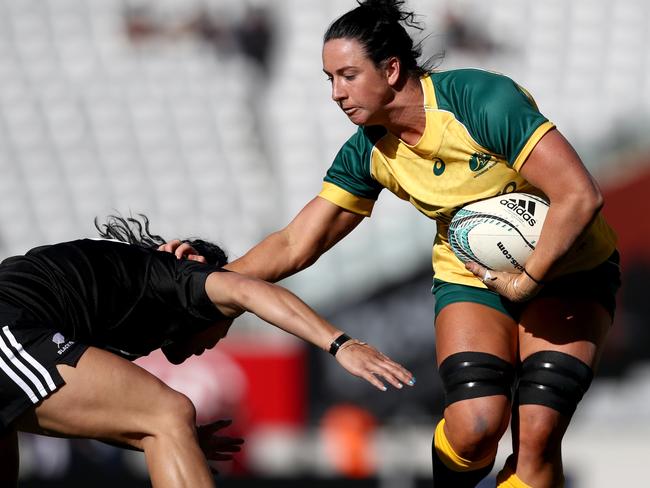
(73, 314)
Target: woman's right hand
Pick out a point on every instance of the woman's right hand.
(182, 250)
(366, 362)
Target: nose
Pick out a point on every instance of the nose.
(338, 93)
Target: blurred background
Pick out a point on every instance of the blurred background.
(214, 118)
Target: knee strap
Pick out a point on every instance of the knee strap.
(468, 375)
(554, 379)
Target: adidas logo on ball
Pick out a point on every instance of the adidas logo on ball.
(519, 207)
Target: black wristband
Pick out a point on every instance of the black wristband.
(338, 342)
(539, 282)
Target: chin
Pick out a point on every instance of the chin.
(357, 120)
(173, 356)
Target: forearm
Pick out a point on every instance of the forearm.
(286, 311)
(273, 259)
(233, 292)
(316, 228)
(565, 222)
(575, 199)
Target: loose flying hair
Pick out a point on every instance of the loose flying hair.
(378, 25)
(132, 231)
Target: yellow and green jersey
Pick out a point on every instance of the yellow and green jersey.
(480, 128)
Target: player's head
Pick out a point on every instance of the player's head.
(136, 231)
(195, 344)
(367, 53)
(378, 26)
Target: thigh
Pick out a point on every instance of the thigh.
(574, 326)
(467, 326)
(104, 397)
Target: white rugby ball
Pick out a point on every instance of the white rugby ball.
(498, 233)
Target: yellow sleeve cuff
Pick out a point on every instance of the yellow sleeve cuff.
(344, 199)
(531, 143)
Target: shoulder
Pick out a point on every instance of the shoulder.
(469, 89)
(351, 168)
(364, 139)
(471, 76)
(499, 114)
(356, 153)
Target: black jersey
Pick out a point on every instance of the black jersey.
(108, 294)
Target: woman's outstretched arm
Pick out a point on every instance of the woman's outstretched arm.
(233, 293)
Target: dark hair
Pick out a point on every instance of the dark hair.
(132, 231)
(377, 26)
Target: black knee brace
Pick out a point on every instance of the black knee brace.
(468, 375)
(554, 379)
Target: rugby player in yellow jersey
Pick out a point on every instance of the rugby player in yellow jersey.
(440, 140)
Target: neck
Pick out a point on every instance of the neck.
(406, 118)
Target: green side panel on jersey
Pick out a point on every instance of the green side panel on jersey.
(498, 114)
(351, 167)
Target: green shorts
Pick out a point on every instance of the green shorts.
(599, 284)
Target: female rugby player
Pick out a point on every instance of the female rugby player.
(440, 140)
(73, 314)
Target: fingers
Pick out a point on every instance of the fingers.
(366, 362)
(212, 427)
(222, 450)
(492, 279)
(169, 246)
(397, 375)
(225, 444)
(374, 381)
(484, 274)
(196, 257)
(512, 286)
(215, 447)
(394, 374)
(182, 250)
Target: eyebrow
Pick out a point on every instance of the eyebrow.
(340, 70)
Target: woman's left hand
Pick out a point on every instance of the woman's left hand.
(366, 362)
(216, 447)
(516, 287)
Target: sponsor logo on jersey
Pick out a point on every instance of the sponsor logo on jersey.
(478, 161)
(61, 343)
(509, 257)
(438, 166)
(509, 188)
(526, 210)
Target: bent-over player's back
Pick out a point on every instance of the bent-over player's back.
(110, 294)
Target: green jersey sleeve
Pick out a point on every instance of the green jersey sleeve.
(350, 169)
(499, 114)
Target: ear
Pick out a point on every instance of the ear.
(392, 70)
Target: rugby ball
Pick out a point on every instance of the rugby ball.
(498, 233)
